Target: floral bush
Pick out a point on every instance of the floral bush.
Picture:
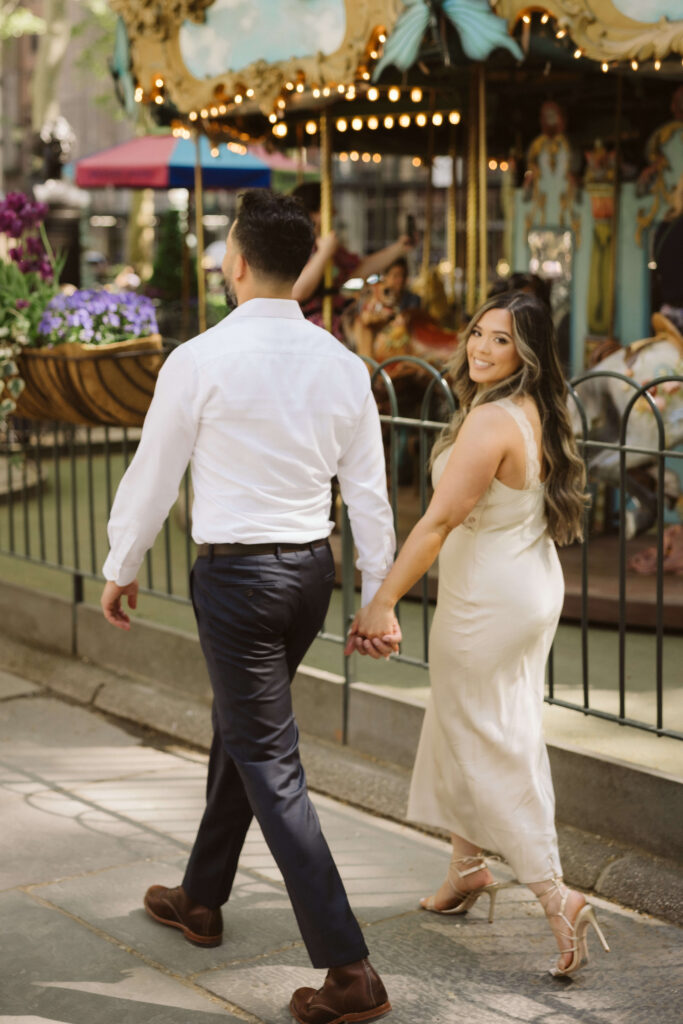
(96, 317)
(28, 280)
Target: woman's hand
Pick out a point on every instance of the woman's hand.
(374, 631)
(327, 246)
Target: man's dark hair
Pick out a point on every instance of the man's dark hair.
(274, 233)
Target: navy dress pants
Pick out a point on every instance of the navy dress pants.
(257, 616)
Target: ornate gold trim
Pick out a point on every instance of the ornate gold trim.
(154, 26)
(600, 30)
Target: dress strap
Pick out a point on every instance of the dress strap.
(533, 466)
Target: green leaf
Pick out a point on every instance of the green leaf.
(15, 386)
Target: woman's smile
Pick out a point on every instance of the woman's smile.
(491, 352)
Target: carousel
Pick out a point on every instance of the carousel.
(560, 121)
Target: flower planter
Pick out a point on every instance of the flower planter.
(91, 385)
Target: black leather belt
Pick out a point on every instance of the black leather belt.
(211, 550)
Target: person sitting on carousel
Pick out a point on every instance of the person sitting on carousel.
(309, 289)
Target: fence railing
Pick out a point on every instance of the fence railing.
(57, 483)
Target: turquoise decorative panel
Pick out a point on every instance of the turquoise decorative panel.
(238, 32)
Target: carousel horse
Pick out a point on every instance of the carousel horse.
(604, 400)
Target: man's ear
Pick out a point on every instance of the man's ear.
(239, 267)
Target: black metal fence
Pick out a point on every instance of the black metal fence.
(57, 483)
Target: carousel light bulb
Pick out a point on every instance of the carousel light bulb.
(159, 99)
(193, 115)
(437, 119)
(454, 117)
(280, 129)
(404, 120)
(421, 120)
(381, 38)
(316, 93)
(159, 82)
(394, 94)
(657, 65)
(416, 161)
(311, 127)
(342, 124)
(222, 109)
(357, 124)
(366, 158)
(545, 18)
(353, 155)
(373, 123)
(214, 151)
(504, 165)
(214, 111)
(388, 121)
(373, 94)
(341, 88)
(250, 93)
(343, 157)
(493, 165)
(300, 87)
(634, 65)
(289, 86)
(272, 118)
(138, 94)
(577, 53)
(326, 91)
(204, 113)
(238, 97)
(526, 18)
(281, 104)
(605, 66)
(561, 33)
(373, 55)
(416, 94)
(365, 76)
(377, 158)
(351, 94)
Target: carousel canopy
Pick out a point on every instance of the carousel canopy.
(163, 161)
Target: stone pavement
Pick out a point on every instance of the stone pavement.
(93, 814)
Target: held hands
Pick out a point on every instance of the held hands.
(111, 603)
(374, 631)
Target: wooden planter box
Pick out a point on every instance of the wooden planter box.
(91, 385)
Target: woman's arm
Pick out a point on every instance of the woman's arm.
(312, 274)
(378, 261)
(481, 446)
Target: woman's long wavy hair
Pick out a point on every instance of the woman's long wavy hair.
(540, 377)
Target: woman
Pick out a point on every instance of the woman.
(509, 485)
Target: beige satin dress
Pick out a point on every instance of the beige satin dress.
(482, 768)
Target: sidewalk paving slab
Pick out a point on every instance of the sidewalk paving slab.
(93, 814)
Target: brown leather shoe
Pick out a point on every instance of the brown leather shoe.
(200, 925)
(351, 993)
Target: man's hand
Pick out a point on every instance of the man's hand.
(376, 635)
(111, 603)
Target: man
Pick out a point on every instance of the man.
(394, 287)
(268, 408)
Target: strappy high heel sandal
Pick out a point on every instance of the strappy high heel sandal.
(576, 933)
(466, 898)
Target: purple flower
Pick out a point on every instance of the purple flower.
(22, 303)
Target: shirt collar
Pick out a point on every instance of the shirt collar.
(288, 309)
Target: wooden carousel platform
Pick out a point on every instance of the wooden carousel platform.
(603, 579)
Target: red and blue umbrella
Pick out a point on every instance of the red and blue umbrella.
(162, 161)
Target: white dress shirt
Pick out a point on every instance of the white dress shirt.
(267, 408)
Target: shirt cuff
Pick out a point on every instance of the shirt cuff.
(121, 575)
(369, 588)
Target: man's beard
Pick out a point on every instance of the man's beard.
(230, 296)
